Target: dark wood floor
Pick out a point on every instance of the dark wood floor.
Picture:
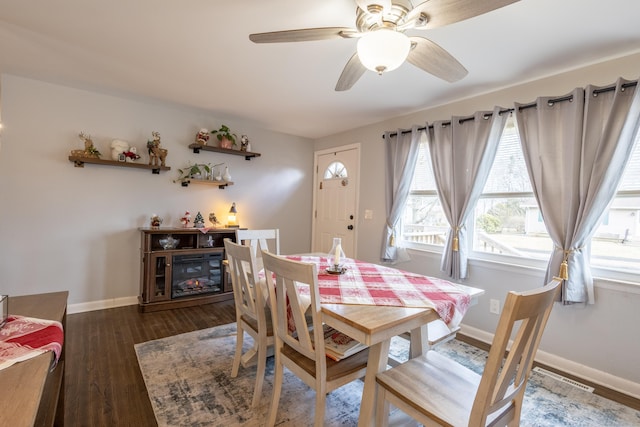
(103, 384)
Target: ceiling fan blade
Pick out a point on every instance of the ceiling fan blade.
(444, 12)
(350, 74)
(307, 34)
(433, 59)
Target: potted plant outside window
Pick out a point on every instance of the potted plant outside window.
(226, 138)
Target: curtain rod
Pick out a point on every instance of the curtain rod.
(523, 107)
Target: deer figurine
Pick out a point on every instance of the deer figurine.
(89, 149)
(156, 154)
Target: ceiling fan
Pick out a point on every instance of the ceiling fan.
(383, 44)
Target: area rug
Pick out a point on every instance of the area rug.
(189, 384)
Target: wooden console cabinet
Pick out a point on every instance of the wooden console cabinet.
(30, 394)
(182, 267)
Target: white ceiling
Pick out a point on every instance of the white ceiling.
(197, 53)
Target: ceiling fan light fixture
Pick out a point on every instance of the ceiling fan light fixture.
(383, 50)
(374, 6)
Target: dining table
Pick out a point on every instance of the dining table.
(372, 303)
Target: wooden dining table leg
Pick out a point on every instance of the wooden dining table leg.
(419, 343)
(377, 362)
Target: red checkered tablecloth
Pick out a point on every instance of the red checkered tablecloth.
(22, 338)
(366, 283)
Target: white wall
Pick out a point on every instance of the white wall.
(68, 228)
(600, 342)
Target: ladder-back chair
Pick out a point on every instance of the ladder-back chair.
(299, 343)
(252, 314)
(435, 390)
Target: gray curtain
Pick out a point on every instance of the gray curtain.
(576, 152)
(401, 157)
(462, 153)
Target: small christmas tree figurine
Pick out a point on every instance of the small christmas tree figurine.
(198, 222)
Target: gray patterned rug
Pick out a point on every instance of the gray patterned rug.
(189, 384)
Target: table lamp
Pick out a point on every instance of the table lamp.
(232, 219)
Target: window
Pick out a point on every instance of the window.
(616, 242)
(423, 221)
(507, 224)
(335, 170)
(507, 220)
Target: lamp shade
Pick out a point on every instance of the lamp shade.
(383, 50)
(232, 218)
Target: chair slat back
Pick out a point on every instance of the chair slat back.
(504, 377)
(259, 240)
(284, 277)
(248, 295)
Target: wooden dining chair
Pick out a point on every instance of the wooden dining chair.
(299, 345)
(252, 314)
(259, 240)
(435, 390)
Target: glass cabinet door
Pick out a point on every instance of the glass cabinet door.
(159, 277)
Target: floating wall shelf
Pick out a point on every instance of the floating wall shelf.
(219, 184)
(246, 154)
(80, 161)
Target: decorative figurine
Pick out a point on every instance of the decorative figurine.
(157, 155)
(89, 149)
(213, 219)
(244, 143)
(118, 147)
(185, 219)
(226, 176)
(156, 221)
(120, 151)
(131, 155)
(198, 222)
(202, 137)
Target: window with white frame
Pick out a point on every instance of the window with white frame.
(423, 221)
(507, 225)
(616, 242)
(507, 221)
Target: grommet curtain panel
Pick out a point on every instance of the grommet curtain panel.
(462, 154)
(576, 152)
(401, 157)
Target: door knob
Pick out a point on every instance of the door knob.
(350, 227)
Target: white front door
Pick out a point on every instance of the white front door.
(336, 198)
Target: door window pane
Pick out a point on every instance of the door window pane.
(335, 170)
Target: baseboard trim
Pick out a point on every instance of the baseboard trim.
(582, 372)
(101, 305)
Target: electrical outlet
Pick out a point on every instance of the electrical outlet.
(494, 306)
(368, 214)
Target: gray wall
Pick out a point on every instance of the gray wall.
(63, 227)
(601, 342)
(68, 228)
